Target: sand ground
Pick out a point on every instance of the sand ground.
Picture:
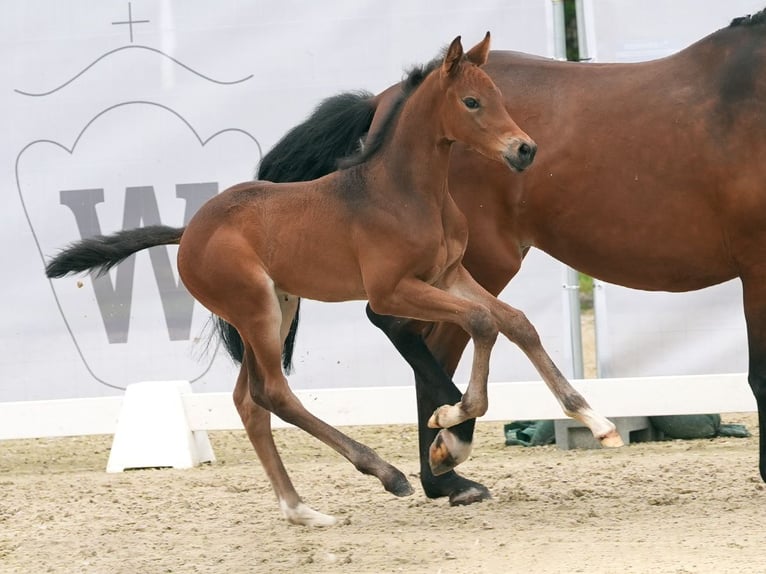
(662, 507)
(678, 506)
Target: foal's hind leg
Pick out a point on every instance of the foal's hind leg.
(269, 388)
(257, 423)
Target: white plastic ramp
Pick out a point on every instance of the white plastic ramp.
(153, 429)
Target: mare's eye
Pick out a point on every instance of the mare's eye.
(471, 103)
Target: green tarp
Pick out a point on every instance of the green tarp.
(536, 433)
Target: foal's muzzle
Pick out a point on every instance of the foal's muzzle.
(520, 154)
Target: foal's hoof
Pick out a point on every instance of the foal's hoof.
(445, 416)
(305, 515)
(611, 440)
(398, 485)
(446, 452)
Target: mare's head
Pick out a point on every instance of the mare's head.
(474, 112)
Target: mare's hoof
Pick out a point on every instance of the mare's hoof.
(460, 490)
(446, 452)
(471, 493)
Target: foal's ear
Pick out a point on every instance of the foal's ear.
(479, 53)
(453, 57)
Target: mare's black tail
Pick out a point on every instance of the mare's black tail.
(102, 252)
(308, 151)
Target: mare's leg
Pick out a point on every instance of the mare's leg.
(433, 387)
(754, 290)
(517, 328)
(259, 320)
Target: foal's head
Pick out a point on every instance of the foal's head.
(474, 112)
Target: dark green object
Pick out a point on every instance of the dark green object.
(529, 433)
(696, 426)
(732, 430)
(687, 426)
(537, 433)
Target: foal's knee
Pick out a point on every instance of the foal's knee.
(481, 325)
(522, 332)
(475, 405)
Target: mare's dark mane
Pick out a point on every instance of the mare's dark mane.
(414, 78)
(750, 20)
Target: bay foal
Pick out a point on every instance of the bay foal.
(385, 229)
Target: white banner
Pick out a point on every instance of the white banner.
(120, 114)
(639, 30)
(651, 334)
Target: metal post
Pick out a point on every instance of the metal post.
(584, 23)
(573, 289)
(559, 30)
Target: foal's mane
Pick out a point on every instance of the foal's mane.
(750, 20)
(412, 80)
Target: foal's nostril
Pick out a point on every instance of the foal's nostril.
(527, 152)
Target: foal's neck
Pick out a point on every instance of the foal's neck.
(417, 152)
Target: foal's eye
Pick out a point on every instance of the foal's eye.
(471, 103)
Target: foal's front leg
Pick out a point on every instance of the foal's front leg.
(418, 300)
(517, 328)
(433, 387)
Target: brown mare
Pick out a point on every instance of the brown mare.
(650, 175)
(383, 229)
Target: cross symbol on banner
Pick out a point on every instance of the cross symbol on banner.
(130, 21)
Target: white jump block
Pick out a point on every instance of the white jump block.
(153, 430)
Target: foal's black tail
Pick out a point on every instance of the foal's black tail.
(102, 252)
(308, 151)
